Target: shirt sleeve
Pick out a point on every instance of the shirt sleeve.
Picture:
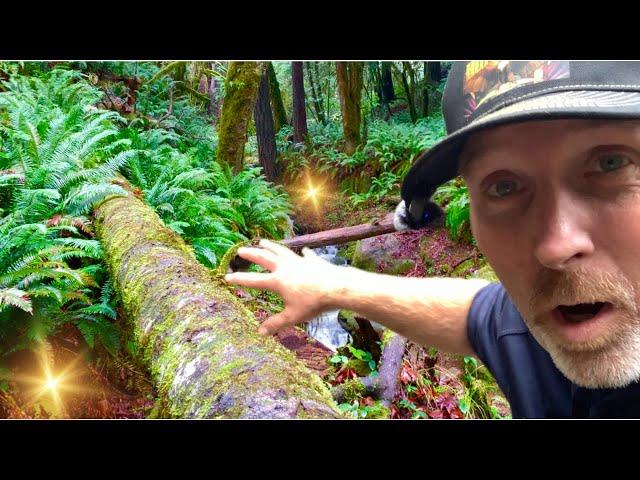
(484, 323)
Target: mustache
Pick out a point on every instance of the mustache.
(553, 287)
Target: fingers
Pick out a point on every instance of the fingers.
(277, 322)
(310, 254)
(252, 280)
(259, 256)
(277, 248)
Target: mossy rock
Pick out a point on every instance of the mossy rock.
(486, 273)
(353, 390)
(376, 255)
(403, 266)
(359, 366)
(463, 268)
(360, 261)
(378, 410)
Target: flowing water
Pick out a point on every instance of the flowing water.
(325, 328)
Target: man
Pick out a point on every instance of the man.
(550, 152)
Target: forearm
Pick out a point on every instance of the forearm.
(429, 311)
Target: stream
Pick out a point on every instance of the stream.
(325, 328)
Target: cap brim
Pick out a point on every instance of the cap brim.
(440, 163)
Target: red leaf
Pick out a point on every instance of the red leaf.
(456, 413)
(436, 413)
(447, 402)
(407, 375)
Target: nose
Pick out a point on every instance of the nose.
(561, 236)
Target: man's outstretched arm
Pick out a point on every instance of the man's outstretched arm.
(429, 311)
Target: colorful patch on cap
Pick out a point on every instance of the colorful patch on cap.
(486, 79)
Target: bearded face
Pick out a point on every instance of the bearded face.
(555, 207)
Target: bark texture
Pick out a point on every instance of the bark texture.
(241, 92)
(263, 119)
(350, 80)
(279, 112)
(300, 130)
(200, 343)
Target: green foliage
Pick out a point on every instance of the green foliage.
(207, 204)
(479, 387)
(57, 158)
(455, 196)
(365, 357)
(386, 157)
(359, 409)
(383, 185)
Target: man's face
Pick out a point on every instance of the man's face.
(555, 207)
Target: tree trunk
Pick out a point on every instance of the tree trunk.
(328, 90)
(435, 71)
(265, 132)
(201, 344)
(406, 72)
(279, 112)
(315, 92)
(350, 79)
(425, 89)
(376, 81)
(241, 91)
(300, 130)
(388, 92)
(214, 107)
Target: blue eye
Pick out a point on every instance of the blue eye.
(502, 188)
(612, 162)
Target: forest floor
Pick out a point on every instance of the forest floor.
(91, 383)
(115, 387)
(434, 254)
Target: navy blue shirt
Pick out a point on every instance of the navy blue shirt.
(533, 385)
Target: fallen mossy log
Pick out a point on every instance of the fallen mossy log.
(199, 342)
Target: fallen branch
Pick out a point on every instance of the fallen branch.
(338, 236)
(385, 385)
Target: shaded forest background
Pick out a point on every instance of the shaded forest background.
(223, 153)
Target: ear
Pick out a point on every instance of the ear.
(418, 215)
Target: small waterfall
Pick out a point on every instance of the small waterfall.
(325, 328)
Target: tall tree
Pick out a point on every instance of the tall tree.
(315, 94)
(376, 80)
(265, 132)
(408, 91)
(241, 92)
(300, 130)
(425, 88)
(350, 79)
(431, 78)
(214, 105)
(388, 92)
(279, 112)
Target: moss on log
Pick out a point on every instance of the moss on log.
(241, 92)
(199, 342)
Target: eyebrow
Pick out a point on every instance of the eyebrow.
(470, 151)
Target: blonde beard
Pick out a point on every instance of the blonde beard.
(614, 365)
(610, 361)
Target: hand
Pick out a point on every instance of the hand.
(304, 282)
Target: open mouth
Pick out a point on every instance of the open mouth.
(582, 311)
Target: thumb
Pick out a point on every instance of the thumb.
(277, 322)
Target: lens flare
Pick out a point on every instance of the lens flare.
(314, 192)
(52, 384)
